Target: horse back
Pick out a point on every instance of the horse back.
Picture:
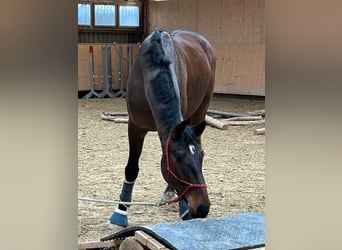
(196, 72)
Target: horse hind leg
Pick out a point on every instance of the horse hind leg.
(168, 195)
(136, 138)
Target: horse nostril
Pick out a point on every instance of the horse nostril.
(202, 210)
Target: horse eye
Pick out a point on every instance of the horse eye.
(192, 149)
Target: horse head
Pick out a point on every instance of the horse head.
(182, 167)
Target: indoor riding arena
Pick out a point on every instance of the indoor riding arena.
(110, 35)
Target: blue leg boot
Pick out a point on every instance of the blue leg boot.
(184, 210)
(119, 217)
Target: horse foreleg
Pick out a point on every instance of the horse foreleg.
(136, 138)
(184, 210)
(169, 195)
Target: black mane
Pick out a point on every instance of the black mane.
(156, 50)
(164, 93)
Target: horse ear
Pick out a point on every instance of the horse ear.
(200, 128)
(177, 132)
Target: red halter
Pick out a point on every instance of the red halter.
(169, 171)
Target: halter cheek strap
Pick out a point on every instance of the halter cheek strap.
(170, 172)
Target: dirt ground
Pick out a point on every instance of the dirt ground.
(233, 167)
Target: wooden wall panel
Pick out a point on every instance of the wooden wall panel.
(234, 27)
(210, 16)
(170, 14)
(167, 14)
(187, 14)
(84, 68)
(243, 71)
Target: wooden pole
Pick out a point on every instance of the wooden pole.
(107, 117)
(215, 123)
(259, 131)
(148, 241)
(257, 112)
(98, 244)
(116, 113)
(238, 123)
(244, 118)
(131, 243)
(224, 114)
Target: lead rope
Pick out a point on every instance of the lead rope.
(169, 171)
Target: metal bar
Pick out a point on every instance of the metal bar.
(120, 202)
(107, 72)
(130, 57)
(91, 75)
(121, 91)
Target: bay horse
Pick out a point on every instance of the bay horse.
(169, 90)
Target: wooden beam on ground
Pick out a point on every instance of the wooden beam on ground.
(244, 118)
(259, 131)
(108, 117)
(241, 123)
(224, 114)
(215, 123)
(93, 245)
(116, 113)
(131, 243)
(257, 112)
(148, 241)
(120, 120)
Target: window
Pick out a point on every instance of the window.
(129, 16)
(109, 15)
(104, 15)
(84, 14)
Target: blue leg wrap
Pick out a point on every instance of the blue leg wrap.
(119, 217)
(126, 192)
(184, 210)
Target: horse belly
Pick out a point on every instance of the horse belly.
(142, 118)
(199, 90)
(195, 54)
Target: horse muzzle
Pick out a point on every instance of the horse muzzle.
(198, 204)
(201, 211)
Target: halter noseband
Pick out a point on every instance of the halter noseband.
(169, 171)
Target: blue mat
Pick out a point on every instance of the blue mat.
(241, 231)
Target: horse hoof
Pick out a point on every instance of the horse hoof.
(168, 196)
(119, 218)
(186, 216)
(114, 227)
